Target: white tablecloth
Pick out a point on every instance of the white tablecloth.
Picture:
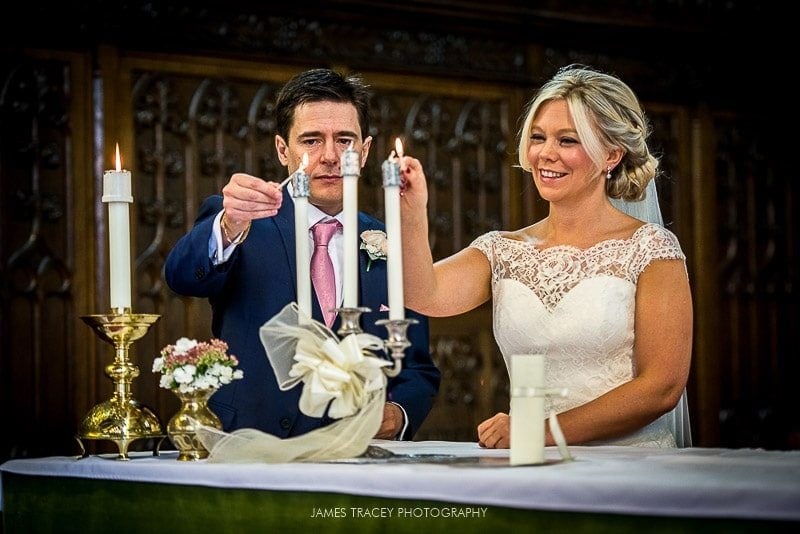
(693, 482)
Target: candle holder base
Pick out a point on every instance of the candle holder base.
(350, 320)
(120, 422)
(396, 342)
(120, 419)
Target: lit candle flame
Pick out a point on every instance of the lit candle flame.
(303, 163)
(119, 160)
(398, 147)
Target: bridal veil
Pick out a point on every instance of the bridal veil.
(648, 210)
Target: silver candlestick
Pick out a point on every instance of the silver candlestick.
(396, 342)
(350, 320)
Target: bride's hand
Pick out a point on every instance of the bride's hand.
(414, 188)
(495, 432)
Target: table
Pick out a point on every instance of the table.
(426, 487)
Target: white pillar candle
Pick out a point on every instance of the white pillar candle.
(351, 169)
(300, 191)
(527, 409)
(394, 256)
(117, 193)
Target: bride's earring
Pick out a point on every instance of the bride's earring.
(608, 174)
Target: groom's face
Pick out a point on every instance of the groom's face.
(323, 130)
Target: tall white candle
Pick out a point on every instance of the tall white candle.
(394, 257)
(527, 409)
(117, 193)
(351, 169)
(300, 191)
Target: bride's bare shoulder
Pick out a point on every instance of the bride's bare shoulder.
(530, 234)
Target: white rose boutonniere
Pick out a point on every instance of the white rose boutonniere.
(374, 242)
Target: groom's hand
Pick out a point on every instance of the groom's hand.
(392, 422)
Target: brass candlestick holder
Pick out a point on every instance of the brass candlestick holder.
(120, 419)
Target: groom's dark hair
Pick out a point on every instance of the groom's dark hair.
(321, 85)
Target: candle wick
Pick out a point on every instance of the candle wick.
(399, 157)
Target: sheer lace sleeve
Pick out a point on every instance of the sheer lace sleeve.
(653, 242)
(486, 244)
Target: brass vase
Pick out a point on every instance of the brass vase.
(182, 428)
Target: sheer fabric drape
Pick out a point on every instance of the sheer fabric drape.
(648, 210)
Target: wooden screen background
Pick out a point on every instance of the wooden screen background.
(186, 121)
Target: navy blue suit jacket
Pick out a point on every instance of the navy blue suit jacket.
(256, 283)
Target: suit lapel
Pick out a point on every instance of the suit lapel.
(284, 220)
(370, 287)
(370, 284)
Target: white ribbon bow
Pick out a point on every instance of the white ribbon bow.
(338, 372)
(345, 372)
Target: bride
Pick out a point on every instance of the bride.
(602, 294)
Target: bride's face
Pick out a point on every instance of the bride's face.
(562, 169)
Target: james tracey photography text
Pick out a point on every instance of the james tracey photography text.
(399, 512)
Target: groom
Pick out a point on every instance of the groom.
(240, 254)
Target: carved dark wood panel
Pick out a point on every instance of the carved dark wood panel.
(37, 256)
(475, 382)
(670, 125)
(463, 145)
(757, 278)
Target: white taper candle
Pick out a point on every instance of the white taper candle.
(300, 191)
(351, 169)
(394, 257)
(117, 193)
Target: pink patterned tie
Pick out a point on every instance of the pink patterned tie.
(322, 268)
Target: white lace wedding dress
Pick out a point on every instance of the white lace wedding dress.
(577, 308)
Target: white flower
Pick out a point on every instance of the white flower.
(166, 381)
(184, 345)
(185, 374)
(376, 245)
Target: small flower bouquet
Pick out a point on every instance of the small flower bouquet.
(376, 245)
(189, 365)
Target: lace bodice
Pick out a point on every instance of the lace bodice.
(576, 306)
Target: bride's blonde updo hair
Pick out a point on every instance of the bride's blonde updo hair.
(607, 115)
